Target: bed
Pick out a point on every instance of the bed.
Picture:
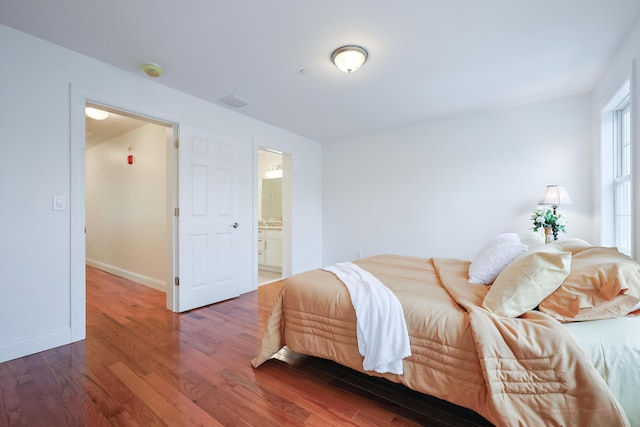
(513, 370)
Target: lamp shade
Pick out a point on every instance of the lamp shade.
(349, 58)
(555, 195)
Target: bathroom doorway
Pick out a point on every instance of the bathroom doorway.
(271, 216)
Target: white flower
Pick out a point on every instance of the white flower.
(540, 219)
(561, 221)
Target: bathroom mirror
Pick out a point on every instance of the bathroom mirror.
(272, 199)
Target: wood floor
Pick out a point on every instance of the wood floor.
(142, 365)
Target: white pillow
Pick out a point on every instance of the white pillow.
(572, 245)
(494, 257)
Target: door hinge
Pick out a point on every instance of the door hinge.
(176, 143)
(177, 281)
(176, 212)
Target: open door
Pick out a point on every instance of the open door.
(214, 229)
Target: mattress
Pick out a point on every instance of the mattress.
(613, 345)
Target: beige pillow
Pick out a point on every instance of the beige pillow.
(620, 305)
(528, 280)
(572, 245)
(603, 283)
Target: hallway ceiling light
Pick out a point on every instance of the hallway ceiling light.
(95, 114)
(349, 58)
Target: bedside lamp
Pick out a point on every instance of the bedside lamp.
(555, 195)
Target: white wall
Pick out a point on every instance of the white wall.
(126, 206)
(625, 65)
(444, 188)
(38, 80)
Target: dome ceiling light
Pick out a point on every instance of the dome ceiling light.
(349, 58)
(95, 114)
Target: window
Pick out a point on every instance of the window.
(622, 210)
(617, 201)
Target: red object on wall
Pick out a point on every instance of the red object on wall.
(130, 159)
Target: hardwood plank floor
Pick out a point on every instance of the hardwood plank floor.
(142, 365)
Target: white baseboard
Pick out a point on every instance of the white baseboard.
(35, 344)
(130, 275)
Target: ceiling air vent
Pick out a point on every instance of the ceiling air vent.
(234, 101)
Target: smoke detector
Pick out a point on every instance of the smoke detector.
(152, 70)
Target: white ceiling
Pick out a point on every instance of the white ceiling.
(428, 59)
(99, 131)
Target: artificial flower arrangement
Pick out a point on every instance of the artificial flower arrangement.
(551, 221)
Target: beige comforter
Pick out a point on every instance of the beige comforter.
(514, 372)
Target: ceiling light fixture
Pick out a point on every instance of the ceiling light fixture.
(349, 58)
(95, 114)
(152, 70)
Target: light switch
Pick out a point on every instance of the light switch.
(59, 203)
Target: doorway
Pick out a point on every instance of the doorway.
(271, 216)
(231, 175)
(128, 196)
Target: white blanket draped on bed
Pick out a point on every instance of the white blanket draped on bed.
(382, 334)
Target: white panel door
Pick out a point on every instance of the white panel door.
(214, 230)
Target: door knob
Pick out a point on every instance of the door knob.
(235, 225)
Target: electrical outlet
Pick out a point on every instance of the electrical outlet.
(358, 253)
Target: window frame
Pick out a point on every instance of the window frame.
(608, 164)
(623, 176)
